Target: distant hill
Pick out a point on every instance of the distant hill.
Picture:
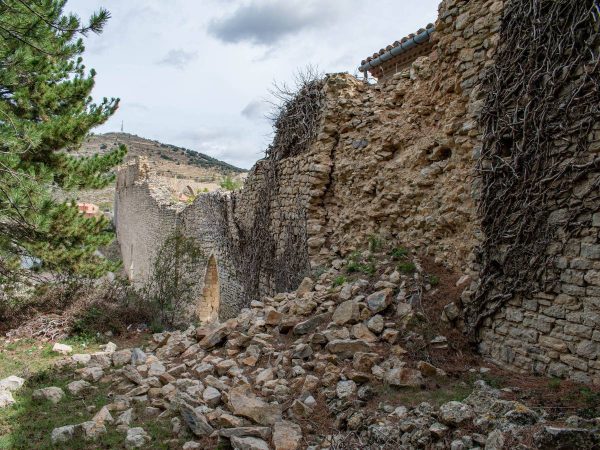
(169, 160)
(178, 168)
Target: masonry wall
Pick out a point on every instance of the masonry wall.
(145, 216)
(395, 160)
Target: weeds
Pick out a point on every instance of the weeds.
(399, 253)
(407, 267)
(375, 243)
(433, 280)
(338, 281)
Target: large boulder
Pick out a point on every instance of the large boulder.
(310, 325)
(243, 403)
(287, 435)
(347, 312)
(346, 348)
(455, 413)
(404, 377)
(380, 300)
(53, 394)
(195, 420)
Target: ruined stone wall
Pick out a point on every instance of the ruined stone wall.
(145, 216)
(396, 160)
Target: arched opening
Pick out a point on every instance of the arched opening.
(208, 303)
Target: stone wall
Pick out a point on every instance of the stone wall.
(397, 161)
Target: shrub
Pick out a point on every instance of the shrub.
(174, 283)
(375, 243)
(399, 253)
(434, 280)
(230, 184)
(407, 267)
(339, 281)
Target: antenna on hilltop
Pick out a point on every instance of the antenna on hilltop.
(121, 126)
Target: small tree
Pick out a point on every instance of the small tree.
(174, 283)
(45, 112)
(230, 184)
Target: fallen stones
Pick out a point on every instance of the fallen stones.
(11, 383)
(455, 413)
(345, 389)
(64, 434)
(121, 357)
(260, 432)
(555, 438)
(93, 373)
(195, 420)
(305, 287)
(286, 436)
(346, 348)
(136, 438)
(243, 403)
(380, 300)
(404, 377)
(248, 443)
(52, 394)
(6, 399)
(79, 387)
(347, 312)
(63, 349)
(310, 325)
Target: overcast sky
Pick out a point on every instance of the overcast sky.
(196, 73)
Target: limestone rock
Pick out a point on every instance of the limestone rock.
(79, 387)
(455, 413)
(11, 383)
(248, 443)
(404, 377)
(211, 396)
(121, 357)
(52, 394)
(136, 438)
(6, 399)
(305, 287)
(346, 312)
(380, 300)
(63, 349)
(551, 438)
(64, 434)
(287, 436)
(259, 432)
(243, 403)
(310, 325)
(345, 389)
(346, 348)
(195, 420)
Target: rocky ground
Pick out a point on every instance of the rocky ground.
(354, 359)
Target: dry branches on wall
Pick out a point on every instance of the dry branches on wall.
(539, 183)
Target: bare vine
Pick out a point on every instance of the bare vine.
(539, 181)
(296, 114)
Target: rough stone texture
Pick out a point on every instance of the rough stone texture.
(394, 160)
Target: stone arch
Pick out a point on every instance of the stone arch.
(207, 308)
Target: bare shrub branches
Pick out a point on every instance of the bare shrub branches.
(296, 113)
(543, 99)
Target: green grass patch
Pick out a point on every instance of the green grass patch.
(399, 253)
(407, 267)
(433, 280)
(338, 281)
(375, 243)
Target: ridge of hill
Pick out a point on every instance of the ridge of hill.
(170, 160)
(179, 169)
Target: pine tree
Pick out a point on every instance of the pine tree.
(45, 113)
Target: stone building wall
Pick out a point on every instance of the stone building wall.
(394, 160)
(145, 216)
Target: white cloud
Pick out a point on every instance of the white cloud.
(232, 51)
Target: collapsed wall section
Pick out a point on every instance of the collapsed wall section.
(145, 216)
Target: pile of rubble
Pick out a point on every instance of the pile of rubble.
(310, 369)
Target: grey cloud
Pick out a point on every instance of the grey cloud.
(178, 58)
(256, 110)
(265, 23)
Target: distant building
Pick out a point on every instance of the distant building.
(399, 55)
(89, 209)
